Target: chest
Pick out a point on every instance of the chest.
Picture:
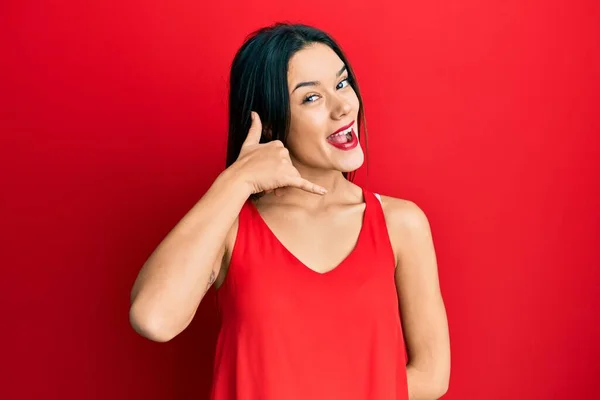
(320, 242)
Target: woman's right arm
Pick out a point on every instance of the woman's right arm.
(179, 272)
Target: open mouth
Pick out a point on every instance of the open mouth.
(342, 137)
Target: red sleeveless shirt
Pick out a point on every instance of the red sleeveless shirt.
(290, 333)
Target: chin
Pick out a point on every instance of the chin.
(351, 161)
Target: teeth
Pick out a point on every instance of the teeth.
(345, 132)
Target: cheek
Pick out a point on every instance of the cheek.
(306, 126)
(299, 139)
(354, 100)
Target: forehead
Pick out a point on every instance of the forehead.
(317, 62)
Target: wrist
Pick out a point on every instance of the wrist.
(234, 177)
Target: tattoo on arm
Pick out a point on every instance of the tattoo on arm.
(211, 280)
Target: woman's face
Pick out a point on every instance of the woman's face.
(324, 112)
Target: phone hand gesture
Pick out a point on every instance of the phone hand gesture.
(268, 166)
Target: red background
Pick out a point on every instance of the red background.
(113, 124)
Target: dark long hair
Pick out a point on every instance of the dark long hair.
(258, 82)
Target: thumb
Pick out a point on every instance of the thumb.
(255, 130)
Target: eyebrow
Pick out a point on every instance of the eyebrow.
(315, 83)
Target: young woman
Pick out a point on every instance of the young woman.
(320, 283)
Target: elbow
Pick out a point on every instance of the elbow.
(441, 384)
(149, 325)
(427, 383)
(441, 389)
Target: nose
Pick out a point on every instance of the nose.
(341, 108)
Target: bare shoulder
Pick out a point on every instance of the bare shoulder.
(406, 222)
(404, 215)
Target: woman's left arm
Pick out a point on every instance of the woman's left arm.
(422, 309)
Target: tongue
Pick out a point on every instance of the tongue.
(339, 138)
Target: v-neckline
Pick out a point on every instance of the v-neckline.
(301, 263)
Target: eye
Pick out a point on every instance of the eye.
(343, 83)
(307, 99)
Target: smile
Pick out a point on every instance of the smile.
(344, 138)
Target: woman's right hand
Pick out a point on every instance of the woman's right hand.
(267, 166)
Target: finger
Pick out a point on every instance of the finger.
(255, 130)
(303, 184)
